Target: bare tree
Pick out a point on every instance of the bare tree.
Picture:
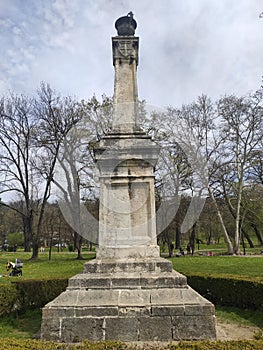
(242, 133)
(56, 116)
(31, 132)
(194, 128)
(76, 169)
(17, 173)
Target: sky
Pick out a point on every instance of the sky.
(187, 47)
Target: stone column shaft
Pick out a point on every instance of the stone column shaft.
(125, 61)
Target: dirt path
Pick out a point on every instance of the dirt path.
(232, 331)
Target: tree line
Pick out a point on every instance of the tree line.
(209, 169)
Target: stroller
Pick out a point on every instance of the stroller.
(14, 268)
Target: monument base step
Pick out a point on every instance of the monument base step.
(128, 301)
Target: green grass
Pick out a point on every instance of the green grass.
(65, 264)
(23, 326)
(220, 248)
(240, 316)
(246, 267)
(62, 264)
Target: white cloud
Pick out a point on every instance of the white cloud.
(186, 47)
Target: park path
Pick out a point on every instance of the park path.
(232, 331)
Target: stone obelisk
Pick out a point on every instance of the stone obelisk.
(128, 292)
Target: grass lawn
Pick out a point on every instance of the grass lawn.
(240, 316)
(23, 326)
(63, 264)
(244, 266)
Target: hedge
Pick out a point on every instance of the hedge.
(8, 298)
(34, 293)
(21, 295)
(234, 291)
(10, 344)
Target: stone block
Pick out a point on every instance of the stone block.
(134, 297)
(125, 282)
(128, 265)
(168, 296)
(199, 309)
(50, 328)
(155, 328)
(121, 328)
(134, 311)
(100, 297)
(193, 327)
(168, 310)
(77, 329)
(86, 280)
(164, 266)
(164, 280)
(57, 312)
(96, 311)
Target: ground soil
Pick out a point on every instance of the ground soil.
(232, 331)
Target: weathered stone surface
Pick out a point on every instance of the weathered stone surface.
(155, 328)
(163, 310)
(135, 311)
(193, 327)
(125, 60)
(166, 309)
(128, 265)
(50, 328)
(128, 280)
(76, 329)
(122, 328)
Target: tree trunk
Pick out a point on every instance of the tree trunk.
(78, 245)
(241, 229)
(258, 234)
(246, 235)
(208, 241)
(27, 228)
(35, 246)
(50, 245)
(227, 240)
(177, 236)
(192, 238)
(237, 228)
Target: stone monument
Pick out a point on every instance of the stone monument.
(128, 292)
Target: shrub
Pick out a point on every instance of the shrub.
(15, 239)
(71, 248)
(219, 345)
(37, 293)
(8, 298)
(10, 344)
(229, 291)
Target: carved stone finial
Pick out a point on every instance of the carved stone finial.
(126, 25)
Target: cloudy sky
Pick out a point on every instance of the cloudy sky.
(187, 47)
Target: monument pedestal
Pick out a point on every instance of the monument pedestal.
(128, 300)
